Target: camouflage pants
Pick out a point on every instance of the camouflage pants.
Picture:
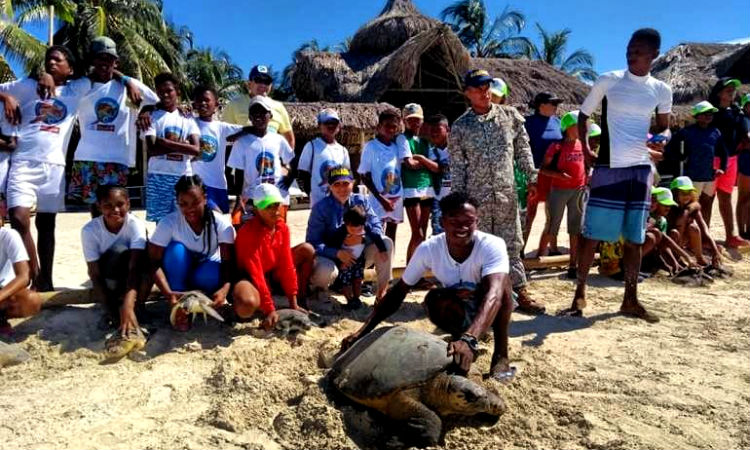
(499, 216)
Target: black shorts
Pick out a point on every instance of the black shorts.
(414, 201)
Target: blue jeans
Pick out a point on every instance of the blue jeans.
(436, 216)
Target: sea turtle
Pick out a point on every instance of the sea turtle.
(403, 374)
(12, 354)
(195, 302)
(117, 346)
(292, 322)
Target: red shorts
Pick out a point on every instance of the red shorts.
(543, 185)
(726, 182)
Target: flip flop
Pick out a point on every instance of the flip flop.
(569, 312)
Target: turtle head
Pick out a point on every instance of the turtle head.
(459, 395)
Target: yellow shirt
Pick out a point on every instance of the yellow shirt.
(236, 113)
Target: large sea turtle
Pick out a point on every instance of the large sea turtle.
(403, 374)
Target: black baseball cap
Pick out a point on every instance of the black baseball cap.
(545, 97)
(260, 73)
(477, 77)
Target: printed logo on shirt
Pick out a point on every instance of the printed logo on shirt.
(172, 133)
(264, 164)
(50, 113)
(208, 148)
(106, 110)
(326, 167)
(391, 181)
(464, 289)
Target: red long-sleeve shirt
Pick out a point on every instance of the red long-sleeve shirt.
(259, 253)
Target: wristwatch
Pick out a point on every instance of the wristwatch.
(471, 341)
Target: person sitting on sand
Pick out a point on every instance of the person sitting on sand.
(16, 299)
(265, 258)
(114, 246)
(354, 236)
(472, 267)
(660, 250)
(328, 215)
(686, 224)
(192, 248)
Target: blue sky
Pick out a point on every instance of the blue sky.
(267, 32)
(255, 32)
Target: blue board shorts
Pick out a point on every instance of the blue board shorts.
(160, 196)
(618, 204)
(218, 198)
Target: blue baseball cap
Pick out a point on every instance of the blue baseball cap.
(477, 77)
(260, 73)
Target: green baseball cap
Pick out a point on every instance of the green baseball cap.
(595, 130)
(265, 195)
(744, 100)
(732, 81)
(682, 183)
(499, 87)
(103, 45)
(568, 120)
(702, 107)
(663, 196)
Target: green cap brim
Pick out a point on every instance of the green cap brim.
(686, 188)
(704, 111)
(734, 82)
(667, 203)
(266, 202)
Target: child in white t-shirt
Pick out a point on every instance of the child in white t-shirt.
(260, 157)
(114, 247)
(322, 154)
(8, 140)
(438, 153)
(211, 162)
(172, 141)
(192, 248)
(380, 167)
(16, 299)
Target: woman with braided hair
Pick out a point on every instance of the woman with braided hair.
(192, 248)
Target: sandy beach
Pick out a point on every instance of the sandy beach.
(598, 382)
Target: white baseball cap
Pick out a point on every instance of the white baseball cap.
(261, 100)
(265, 195)
(328, 115)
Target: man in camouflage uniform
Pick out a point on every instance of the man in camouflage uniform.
(484, 144)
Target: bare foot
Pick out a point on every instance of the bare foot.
(575, 310)
(636, 310)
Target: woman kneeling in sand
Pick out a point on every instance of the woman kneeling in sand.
(265, 259)
(114, 246)
(192, 249)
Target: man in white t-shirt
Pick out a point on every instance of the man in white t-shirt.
(619, 198)
(260, 157)
(16, 299)
(107, 116)
(472, 267)
(172, 141)
(322, 154)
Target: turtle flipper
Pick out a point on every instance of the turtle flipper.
(422, 426)
(208, 309)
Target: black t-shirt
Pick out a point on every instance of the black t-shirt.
(727, 121)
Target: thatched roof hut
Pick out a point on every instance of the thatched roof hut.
(526, 78)
(397, 22)
(693, 68)
(402, 56)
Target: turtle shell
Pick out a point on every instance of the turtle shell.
(389, 359)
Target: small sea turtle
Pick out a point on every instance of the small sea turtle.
(403, 374)
(292, 322)
(12, 354)
(195, 302)
(118, 346)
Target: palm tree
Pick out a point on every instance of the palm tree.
(214, 68)
(147, 44)
(484, 37)
(579, 64)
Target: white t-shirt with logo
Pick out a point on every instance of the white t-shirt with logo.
(383, 163)
(261, 160)
(12, 251)
(630, 102)
(107, 122)
(318, 157)
(174, 227)
(213, 144)
(172, 126)
(96, 239)
(488, 256)
(443, 158)
(46, 125)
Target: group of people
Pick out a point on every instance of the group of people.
(603, 176)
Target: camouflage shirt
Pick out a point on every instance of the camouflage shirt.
(484, 148)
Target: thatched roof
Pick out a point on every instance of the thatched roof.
(693, 68)
(353, 77)
(526, 78)
(397, 22)
(357, 116)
